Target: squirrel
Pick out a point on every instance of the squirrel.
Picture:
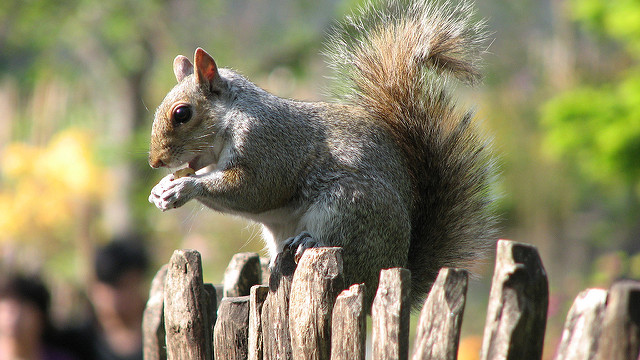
(394, 173)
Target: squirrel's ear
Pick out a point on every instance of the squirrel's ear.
(182, 67)
(205, 68)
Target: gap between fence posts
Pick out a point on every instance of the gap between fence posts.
(212, 308)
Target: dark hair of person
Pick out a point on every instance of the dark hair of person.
(31, 289)
(118, 257)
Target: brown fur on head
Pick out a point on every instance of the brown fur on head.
(182, 129)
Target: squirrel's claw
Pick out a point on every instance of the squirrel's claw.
(300, 243)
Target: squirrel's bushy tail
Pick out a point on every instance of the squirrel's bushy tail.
(398, 59)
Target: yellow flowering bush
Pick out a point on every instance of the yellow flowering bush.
(42, 189)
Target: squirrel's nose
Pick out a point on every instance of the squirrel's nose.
(156, 163)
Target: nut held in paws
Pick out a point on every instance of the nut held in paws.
(183, 172)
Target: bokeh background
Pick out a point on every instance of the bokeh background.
(80, 79)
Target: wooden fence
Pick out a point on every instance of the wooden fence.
(304, 313)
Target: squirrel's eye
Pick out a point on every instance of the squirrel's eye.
(182, 114)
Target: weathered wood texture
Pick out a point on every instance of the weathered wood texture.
(153, 334)
(257, 297)
(316, 283)
(244, 271)
(620, 337)
(390, 315)
(186, 313)
(583, 326)
(231, 334)
(438, 332)
(517, 311)
(349, 325)
(181, 313)
(275, 310)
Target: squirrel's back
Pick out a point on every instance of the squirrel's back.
(399, 60)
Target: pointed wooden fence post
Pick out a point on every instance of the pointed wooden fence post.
(349, 325)
(257, 297)
(517, 311)
(231, 332)
(390, 315)
(620, 337)
(244, 271)
(186, 311)
(316, 283)
(583, 326)
(438, 332)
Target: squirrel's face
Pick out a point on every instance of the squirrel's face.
(184, 128)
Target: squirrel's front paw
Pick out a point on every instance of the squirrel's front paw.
(300, 243)
(172, 193)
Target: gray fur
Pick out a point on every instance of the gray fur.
(396, 175)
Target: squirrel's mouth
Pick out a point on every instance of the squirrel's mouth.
(199, 163)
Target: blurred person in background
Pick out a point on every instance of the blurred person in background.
(26, 332)
(118, 297)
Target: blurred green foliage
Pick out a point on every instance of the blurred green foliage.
(619, 19)
(595, 126)
(598, 130)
